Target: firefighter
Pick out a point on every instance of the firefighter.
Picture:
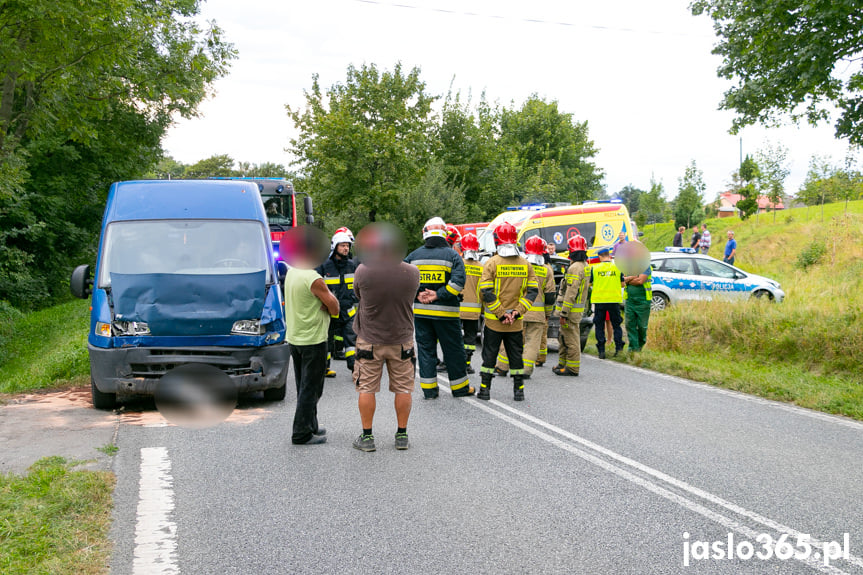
(570, 303)
(338, 274)
(607, 295)
(543, 346)
(535, 323)
(508, 287)
(470, 307)
(436, 311)
(453, 238)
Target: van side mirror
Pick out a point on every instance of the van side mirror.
(281, 270)
(307, 205)
(81, 284)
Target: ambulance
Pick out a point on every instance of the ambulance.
(599, 222)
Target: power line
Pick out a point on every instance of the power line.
(527, 20)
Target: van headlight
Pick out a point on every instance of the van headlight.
(247, 327)
(130, 328)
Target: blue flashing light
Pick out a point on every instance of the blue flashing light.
(676, 250)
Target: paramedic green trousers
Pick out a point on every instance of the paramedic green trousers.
(637, 316)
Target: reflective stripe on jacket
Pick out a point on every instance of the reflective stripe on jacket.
(442, 271)
(507, 283)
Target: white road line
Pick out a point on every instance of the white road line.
(155, 531)
(837, 419)
(653, 487)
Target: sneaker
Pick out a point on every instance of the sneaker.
(402, 441)
(331, 373)
(365, 442)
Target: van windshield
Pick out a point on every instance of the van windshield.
(194, 247)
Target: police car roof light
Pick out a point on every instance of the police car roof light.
(676, 250)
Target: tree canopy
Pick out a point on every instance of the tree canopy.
(791, 57)
(365, 145)
(87, 90)
(688, 206)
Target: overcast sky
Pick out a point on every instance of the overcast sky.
(640, 73)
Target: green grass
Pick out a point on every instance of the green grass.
(55, 520)
(805, 350)
(46, 348)
(108, 449)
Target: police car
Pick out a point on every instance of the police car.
(681, 274)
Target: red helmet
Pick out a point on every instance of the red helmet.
(453, 236)
(505, 233)
(535, 245)
(469, 242)
(577, 243)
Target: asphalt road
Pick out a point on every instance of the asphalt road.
(617, 471)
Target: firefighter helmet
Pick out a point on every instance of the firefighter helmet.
(535, 245)
(470, 243)
(453, 236)
(505, 233)
(435, 227)
(577, 243)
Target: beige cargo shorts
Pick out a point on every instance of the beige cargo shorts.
(369, 367)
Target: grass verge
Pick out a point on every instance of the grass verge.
(46, 348)
(55, 520)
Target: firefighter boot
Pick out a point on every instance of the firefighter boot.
(485, 387)
(518, 388)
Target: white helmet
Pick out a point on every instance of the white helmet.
(340, 238)
(435, 227)
(347, 231)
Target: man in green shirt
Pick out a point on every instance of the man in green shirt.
(638, 295)
(308, 307)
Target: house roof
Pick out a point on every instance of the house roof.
(731, 199)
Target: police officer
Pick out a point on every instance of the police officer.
(508, 288)
(470, 307)
(338, 273)
(570, 303)
(436, 311)
(607, 295)
(535, 323)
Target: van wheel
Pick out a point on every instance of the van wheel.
(275, 393)
(659, 302)
(102, 400)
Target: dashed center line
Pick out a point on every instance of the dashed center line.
(155, 531)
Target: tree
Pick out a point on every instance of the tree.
(554, 152)
(772, 171)
(653, 203)
(631, 198)
(363, 141)
(688, 206)
(748, 175)
(87, 91)
(219, 165)
(826, 182)
(795, 58)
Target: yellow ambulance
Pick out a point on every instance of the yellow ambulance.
(599, 222)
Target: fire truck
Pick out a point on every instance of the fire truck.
(280, 203)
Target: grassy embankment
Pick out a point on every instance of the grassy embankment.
(805, 350)
(55, 520)
(46, 348)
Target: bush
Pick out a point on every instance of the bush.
(789, 219)
(812, 254)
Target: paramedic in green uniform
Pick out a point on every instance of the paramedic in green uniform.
(638, 296)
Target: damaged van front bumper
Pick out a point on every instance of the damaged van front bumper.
(137, 370)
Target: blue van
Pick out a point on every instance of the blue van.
(185, 274)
